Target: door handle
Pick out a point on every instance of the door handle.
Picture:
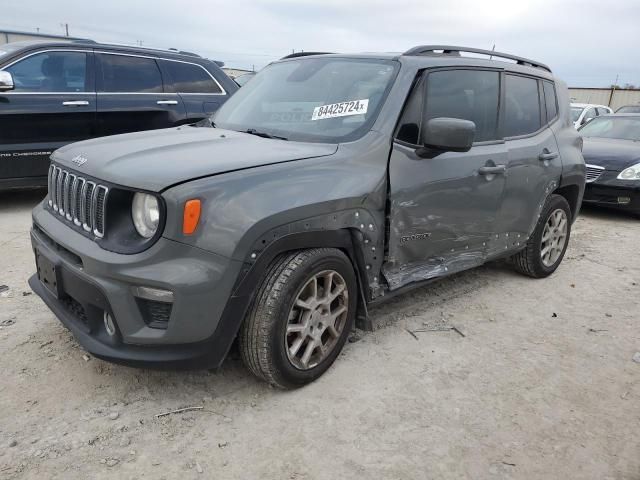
(546, 155)
(498, 169)
(76, 103)
(167, 102)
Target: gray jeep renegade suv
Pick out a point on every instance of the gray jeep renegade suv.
(328, 183)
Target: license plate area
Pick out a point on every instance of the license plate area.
(49, 273)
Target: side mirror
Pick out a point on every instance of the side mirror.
(586, 120)
(6, 81)
(448, 134)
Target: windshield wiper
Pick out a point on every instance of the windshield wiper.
(253, 131)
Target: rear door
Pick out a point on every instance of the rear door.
(132, 96)
(533, 166)
(443, 209)
(53, 104)
(200, 91)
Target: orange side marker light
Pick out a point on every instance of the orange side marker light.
(191, 216)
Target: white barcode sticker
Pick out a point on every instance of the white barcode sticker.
(342, 109)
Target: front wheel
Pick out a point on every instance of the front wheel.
(300, 318)
(548, 243)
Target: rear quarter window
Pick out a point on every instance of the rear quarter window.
(190, 78)
(550, 101)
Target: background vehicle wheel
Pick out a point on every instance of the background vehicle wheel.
(548, 243)
(300, 318)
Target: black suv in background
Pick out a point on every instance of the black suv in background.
(52, 94)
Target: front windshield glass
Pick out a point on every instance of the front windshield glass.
(626, 128)
(575, 113)
(311, 99)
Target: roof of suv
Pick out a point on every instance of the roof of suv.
(19, 47)
(447, 55)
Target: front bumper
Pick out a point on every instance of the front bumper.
(608, 191)
(93, 281)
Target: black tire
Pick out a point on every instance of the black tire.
(529, 261)
(262, 334)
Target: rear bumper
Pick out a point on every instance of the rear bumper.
(608, 191)
(92, 281)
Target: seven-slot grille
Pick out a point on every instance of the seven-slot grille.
(78, 200)
(593, 172)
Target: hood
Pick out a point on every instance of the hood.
(611, 153)
(157, 159)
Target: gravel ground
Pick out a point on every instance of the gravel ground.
(543, 384)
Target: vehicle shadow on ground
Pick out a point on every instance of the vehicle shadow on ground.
(233, 377)
(603, 213)
(14, 200)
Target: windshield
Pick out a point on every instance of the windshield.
(629, 109)
(575, 113)
(311, 99)
(626, 128)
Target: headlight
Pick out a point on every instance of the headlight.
(145, 212)
(631, 173)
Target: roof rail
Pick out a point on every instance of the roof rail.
(453, 50)
(304, 54)
(138, 47)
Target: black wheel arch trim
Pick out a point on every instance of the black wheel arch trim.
(252, 274)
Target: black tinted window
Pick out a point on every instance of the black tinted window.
(130, 74)
(409, 128)
(466, 94)
(550, 100)
(51, 72)
(189, 78)
(522, 106)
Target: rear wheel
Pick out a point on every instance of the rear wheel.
(548, 243)
(300, 318)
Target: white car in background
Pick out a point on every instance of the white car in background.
(581, 113)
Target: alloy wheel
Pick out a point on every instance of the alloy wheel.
(316, 319)
(554, 237)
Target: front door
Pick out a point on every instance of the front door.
(443, 208)
(53, 104)
(132, 97)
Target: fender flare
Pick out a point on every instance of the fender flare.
(252, 275)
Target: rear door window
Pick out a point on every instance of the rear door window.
(522, 106)
(466, 94)
(51, 72)
(128, 74)
(190, 78)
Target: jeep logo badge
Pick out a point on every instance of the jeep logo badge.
(79, 160)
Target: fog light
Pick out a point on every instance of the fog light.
(155, 294)
(109, 324)
(624, 200)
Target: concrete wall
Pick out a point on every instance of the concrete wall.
(605, 96)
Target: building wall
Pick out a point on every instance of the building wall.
(605, 96)
(235, 72)
(8, 36)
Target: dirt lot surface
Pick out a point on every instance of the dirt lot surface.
(542, 384)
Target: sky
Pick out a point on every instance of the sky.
(587, 43)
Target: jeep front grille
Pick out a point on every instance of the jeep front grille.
(593, 172)
(78, 200)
